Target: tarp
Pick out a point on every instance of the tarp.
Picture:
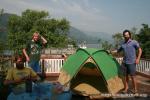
(41, 91)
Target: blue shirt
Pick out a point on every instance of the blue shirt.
(129, 50)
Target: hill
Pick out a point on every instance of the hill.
(101, 35)
(79, 36)
(74, 33)
(89, 37)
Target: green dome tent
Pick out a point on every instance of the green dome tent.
(90, 72)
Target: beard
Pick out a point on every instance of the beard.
(20, 65)
(126, 39)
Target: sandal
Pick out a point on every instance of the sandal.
(134, 91)
(124, 91)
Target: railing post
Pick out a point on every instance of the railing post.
(143, 66)
(43, 68)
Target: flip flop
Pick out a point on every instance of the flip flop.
(133, 91)
(124, 91)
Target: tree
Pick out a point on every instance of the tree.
(106, 45)
(2, 47)
(144, 39)
(22, 27)
(2, 43)
(134, 33)
(99, 42)
(1, 12)
(117, 38)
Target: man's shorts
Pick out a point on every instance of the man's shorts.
(129, 69)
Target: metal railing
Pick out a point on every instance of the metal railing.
(143, 66)
(53, 65)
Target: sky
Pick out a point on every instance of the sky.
(109, 16)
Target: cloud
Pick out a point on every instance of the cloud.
(18, 6)
(82, 16)
(55, 0)
(80, 13)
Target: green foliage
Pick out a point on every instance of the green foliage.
(146, 49)
(22, 27)
(106, 45)
(134, 33)
(2, 47)
(3, 26)
(117, 38)
(144, 39)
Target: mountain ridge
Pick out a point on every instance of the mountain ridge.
(76, 34)
(89, 37)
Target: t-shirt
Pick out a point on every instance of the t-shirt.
(15, 74)
(129, 50)
(34, 50)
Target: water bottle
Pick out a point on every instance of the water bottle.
(28, 85)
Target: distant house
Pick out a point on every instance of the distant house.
(7, 53)
(83, 45)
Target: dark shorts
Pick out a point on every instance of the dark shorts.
(129, 69)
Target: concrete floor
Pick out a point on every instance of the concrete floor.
(143, 90)
(143, 84)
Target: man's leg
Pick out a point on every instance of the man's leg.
(39, 71)
(126, 77)
(132, 72)
(31, 64)
(134, 83)
(38, 67)
(126, 81)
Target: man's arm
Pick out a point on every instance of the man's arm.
(9, 78)
(32, 78)
(44, 41)
(26, 55)
(139, 55)
(119, 50)
(33, 75)
(116, 52)
(8, 82)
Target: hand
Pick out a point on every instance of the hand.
(27, 77)
(137, 61)
(43, 39)
(27, 59)
(18, 81)
(114, 52)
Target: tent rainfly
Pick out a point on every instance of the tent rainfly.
(92, 72)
